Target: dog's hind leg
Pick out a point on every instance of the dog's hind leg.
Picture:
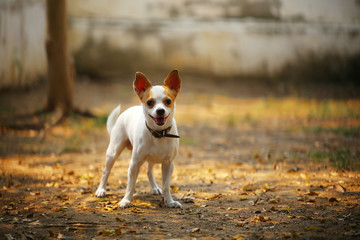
(113, 151)
(154, 187)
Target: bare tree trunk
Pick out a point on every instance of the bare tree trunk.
(60, 78)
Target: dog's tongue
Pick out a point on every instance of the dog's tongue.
(159, 121)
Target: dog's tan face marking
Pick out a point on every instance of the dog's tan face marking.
(172, 84)
(142, 86)
(158, 101)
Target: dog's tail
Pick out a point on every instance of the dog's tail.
(110, 123)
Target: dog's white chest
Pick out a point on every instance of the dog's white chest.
(162, 151)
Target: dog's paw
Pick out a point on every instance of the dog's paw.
(124, 203)
(156, 191)
(100, 192)
(173, 204)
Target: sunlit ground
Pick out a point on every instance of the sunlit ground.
(247, 168)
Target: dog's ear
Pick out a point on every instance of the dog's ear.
(173, 81)
(141, 83)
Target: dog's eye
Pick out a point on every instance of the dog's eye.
(150, 103)
(167, 101)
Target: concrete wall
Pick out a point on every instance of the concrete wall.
(22, 45)
(217, 37)
(211, 37)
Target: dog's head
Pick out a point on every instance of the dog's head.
(158, 101)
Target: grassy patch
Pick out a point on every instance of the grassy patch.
(342, 159)
(188, 141)
(347, 132)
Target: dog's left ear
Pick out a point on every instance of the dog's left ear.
(141, 83)
(173, 81)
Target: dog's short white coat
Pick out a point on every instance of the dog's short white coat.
(129, 128)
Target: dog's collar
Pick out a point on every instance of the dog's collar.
(161, 133)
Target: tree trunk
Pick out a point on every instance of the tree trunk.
(60, 78)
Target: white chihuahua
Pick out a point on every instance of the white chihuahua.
(150, 131)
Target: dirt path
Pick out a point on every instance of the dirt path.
(247, 169)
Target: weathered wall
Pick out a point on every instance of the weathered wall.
(210, 37)
(22, 45)
(220, 37)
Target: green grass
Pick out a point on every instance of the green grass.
(188, 141)
(341, 159)
(347, 132)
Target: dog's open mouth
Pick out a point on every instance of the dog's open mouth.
(159, 120)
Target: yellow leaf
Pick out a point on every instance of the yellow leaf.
(248, 187)
(175, 189)
(303, 176)
(36, 223)
(107, 232)
(60, 209)
(265, 187)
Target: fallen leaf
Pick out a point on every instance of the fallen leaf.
(248, 187)
(175, 189)
(303, 176)
(9, 236)
(60, 209)
(107, 232)
(261, 219)
(136, 210)
(241, 223)
(311, 193)
(36, 223)
(52, 234)
(120, 219)
(120, 231)
(216, 196)
(193, 230)
(237, 237)
(311, 200)
(284, 208)
(339, 188)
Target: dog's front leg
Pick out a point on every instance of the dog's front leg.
(133, 173)
(154, 187)
(167, 170)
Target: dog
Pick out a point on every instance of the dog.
(150, 131)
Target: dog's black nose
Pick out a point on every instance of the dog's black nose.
(160, 112)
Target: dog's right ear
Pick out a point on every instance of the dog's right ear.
(141, 83)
